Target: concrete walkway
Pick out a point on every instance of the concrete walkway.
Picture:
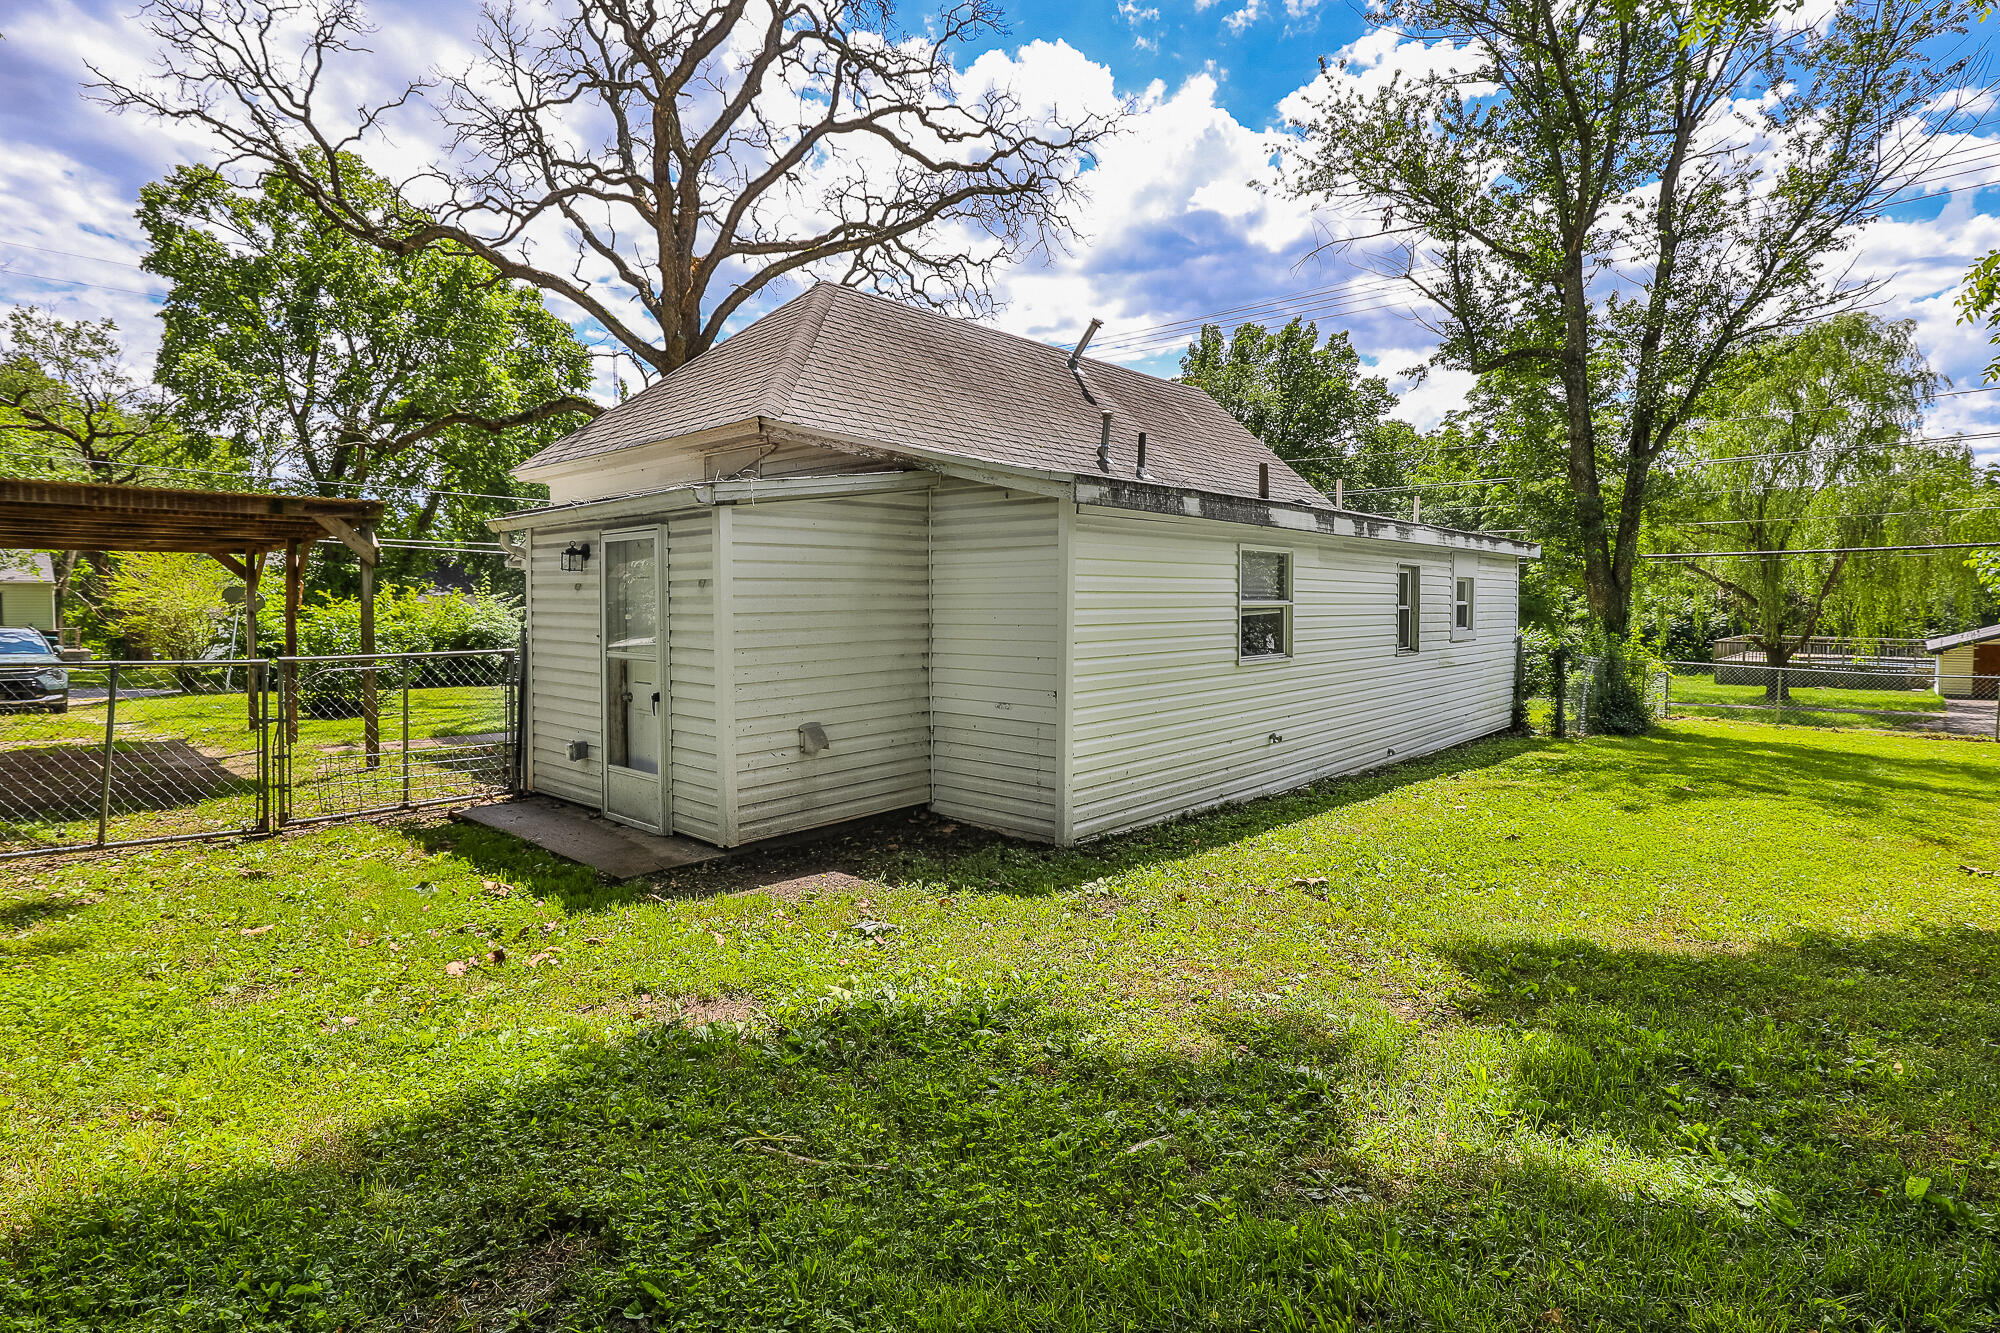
(612, 849)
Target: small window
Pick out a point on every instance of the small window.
(1409, 592)
(1264, 610)
(1461, 609)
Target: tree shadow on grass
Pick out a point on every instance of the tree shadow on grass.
(883, 1162)
(1828, 1067)
(916, 846)
(1920, 795)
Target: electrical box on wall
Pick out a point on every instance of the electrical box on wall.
(579, 749)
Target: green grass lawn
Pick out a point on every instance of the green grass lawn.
(1694, 1031)
(1704, 690)
(221, 721)
(189, 762)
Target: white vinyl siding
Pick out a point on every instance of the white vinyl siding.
(695, 793)
(28, 604)
(565, 668)
(996, 657)
(1165, 722)
(1954, 672)
(828, 622)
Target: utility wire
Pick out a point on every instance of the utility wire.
(1825, 550)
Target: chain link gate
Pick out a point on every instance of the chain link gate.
(130, 753)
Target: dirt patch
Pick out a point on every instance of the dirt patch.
(509, 1300)
(820, 885)
(64, 781)
(677, 1009)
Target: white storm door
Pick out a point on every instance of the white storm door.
(635, 683)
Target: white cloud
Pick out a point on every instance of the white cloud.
(1176, 226)
(1243, 17)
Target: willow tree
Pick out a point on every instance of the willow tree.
(657, 164)
(1604, 203)
(1810, 453)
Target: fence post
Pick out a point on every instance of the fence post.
(260, 720)
(1784, 692)
(1666, 693)
(1561, 722)
(406, 733)
(110, 744)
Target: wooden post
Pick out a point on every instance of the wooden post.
(253, 563)
(371, 722)
(294, 587)
(1561, 687)
(1340, 493)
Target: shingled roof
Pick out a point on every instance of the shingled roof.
(858, 367)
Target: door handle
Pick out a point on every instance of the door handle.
(656, 701)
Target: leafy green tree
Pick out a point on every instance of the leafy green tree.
(71, 410)
(168, 604)
(332, 362)
(1605, 202)
(1310, 402)
(1810, 444)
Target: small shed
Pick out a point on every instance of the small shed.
(861, 557)
(28, 591)
(1968, 664)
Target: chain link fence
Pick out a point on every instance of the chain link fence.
(1876, 695)
(111, 754)
(370, 733)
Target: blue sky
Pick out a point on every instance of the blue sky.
(1175, 228)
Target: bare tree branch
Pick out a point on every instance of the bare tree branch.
(656, 163)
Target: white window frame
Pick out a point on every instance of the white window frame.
(1244, 606)
(1464, 595)
(1416, 609)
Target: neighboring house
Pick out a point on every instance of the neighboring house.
(861, 557)
(1968, 664)
(28, 591)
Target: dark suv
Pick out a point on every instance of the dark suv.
(31, 673)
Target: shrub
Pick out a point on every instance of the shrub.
(167, 604)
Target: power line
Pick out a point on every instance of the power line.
(1824, 550)
(240, 479)
(72, 254)
(1822, 518)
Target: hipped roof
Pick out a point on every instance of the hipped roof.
(852, 366)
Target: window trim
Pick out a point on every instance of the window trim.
(1416, 610)
(1244, 606)
(1469, 585)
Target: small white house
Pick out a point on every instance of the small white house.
(861, 557)
(1968, 664)
(28, 591)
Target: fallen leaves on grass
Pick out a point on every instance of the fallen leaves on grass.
(456, 967)
(257, 930)
(545, 956)
(495, 889)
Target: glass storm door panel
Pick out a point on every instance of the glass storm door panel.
(635, 697)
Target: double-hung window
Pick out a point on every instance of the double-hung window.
(1409, 598)
(1461, 609)
(1264, 605)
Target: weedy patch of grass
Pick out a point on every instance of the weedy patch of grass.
(1694, 1030)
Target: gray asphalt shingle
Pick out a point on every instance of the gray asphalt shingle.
(860, 367)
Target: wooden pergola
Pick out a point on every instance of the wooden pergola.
(240, 529)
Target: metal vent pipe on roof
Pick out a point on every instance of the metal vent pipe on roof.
(1263, 481)
(1141, 469)
(1083, 342)
(1104, 442)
